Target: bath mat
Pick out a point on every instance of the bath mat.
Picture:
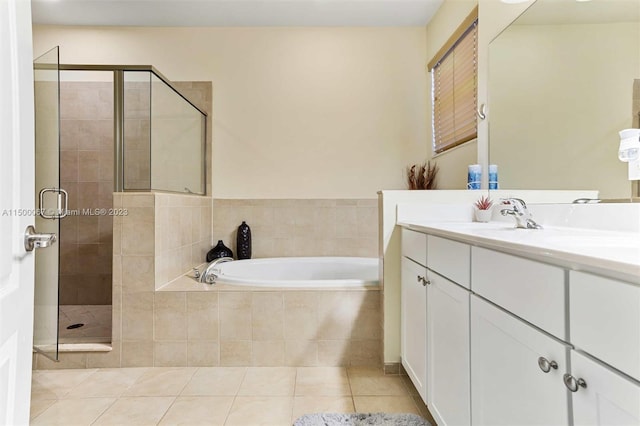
(360, 419)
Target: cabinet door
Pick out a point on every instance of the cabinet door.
(414, 324)
(609, 398)
(448, 381)
(507, 385)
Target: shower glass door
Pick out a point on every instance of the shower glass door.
(50, 202)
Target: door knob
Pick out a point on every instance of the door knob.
(33, 240)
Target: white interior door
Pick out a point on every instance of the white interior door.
(16, 209)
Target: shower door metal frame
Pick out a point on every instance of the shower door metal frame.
(118, 116)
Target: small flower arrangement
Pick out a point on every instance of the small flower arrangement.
(484, 203)
(483, 209)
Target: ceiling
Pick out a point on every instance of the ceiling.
(205, 13)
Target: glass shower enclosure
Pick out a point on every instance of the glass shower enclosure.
(122, 128)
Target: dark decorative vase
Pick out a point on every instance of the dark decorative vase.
(220, 250)
(243, 241)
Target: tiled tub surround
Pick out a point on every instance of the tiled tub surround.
(250, 326)
(235, 326)
(300, 227)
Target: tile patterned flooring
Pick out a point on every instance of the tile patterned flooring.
(214, 395)
(96, 320)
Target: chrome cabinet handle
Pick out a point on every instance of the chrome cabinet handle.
(546, 365)
(572, 383)
(425, 281)
(34, 241)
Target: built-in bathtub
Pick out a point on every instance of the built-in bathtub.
(323, 311)
(300, 272)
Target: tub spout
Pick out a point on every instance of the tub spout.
(209, 275)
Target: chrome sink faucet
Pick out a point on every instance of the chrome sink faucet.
(520, 213)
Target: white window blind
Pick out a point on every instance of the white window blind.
(454, 92)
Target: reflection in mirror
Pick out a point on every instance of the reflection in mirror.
(561, 87)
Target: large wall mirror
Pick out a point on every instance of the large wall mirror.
(561, 85)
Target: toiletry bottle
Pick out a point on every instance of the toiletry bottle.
(474, 176)
(493, 176)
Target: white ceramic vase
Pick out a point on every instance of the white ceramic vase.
(483, 215)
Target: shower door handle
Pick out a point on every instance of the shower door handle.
(62, 203)
(34, 241)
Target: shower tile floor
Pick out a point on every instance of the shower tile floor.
(214, 395)
(96, 320)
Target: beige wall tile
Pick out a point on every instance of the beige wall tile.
(301, 353)
(137, 316)
(236, 353)
(67, 360)
(203, 353)
(137, 354)
(335, 315)
(366, 352)
(109, 359)
(300, 315)
(334, 352)
(137, 274)
(170, 316)
(88, 166)
(202, 316)
(235, 316)
(138, 200)
(368, 320)
(170, 354)
(268, 353)
(138, 231)
(267, 319)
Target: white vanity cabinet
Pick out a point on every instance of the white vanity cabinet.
(508, 339)
(413, 313)
(516, 370)
(448, 381)
(605, 324)
(608, 397)
(448, 375)
(435, 324)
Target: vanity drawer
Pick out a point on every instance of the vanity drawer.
(450, 259)
(530, 290)
(604, 317)
(414, 246)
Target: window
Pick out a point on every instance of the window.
(454, 87)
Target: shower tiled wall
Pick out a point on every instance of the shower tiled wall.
(86, 172)
(300, 227)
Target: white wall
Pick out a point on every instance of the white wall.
(298, 112)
